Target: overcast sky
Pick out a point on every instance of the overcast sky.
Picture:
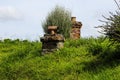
(22, 18)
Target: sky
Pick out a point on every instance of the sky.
(23, 18)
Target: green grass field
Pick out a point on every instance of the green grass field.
(84, 59)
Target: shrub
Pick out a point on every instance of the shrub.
(60, 17)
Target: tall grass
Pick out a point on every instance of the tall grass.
(84, 59)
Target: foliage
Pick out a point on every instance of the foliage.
(111, 28)
(60, 17)
(86, 59)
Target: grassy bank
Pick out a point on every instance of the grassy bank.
(84, 59)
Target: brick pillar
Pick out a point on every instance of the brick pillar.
(75, 29)
(73, 19)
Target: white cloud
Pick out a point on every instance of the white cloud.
(9, 13)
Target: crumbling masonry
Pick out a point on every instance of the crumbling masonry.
(76, 29)
(52, 41)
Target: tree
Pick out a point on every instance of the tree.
(111, 28)
(117, 4)
(60, 17)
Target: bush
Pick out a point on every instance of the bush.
(60, 17)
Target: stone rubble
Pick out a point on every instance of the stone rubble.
(52, 41)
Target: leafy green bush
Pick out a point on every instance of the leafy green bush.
(7, 40)
(97, 46)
